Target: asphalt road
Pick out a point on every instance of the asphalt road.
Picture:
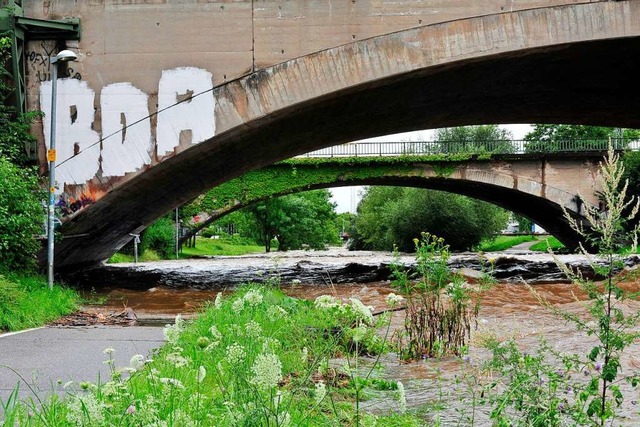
(44, 359)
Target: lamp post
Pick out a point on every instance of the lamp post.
(63, 56)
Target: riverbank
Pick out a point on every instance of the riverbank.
(27, 302)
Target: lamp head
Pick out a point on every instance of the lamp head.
(64, 56)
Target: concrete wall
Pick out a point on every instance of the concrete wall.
(135, 41)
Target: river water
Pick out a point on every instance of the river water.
(508, 310)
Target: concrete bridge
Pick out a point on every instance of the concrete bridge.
(172, 98)
(536, 185)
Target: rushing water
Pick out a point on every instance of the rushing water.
(508, 310)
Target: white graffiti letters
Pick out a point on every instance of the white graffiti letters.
(185, 104)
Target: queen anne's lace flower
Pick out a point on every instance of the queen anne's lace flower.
(85, 410)
(275, 312)
(253, 329)
(253, 298)
(217, 303)
(267, 370)
(326, 302)
(202, 373)
(394, 300)
(215, 333)
(172, 332)
(238, 305)
(172, 382)
(235, 354)
(402, 398)
(137, 362)
(320, 393)
(361, 311)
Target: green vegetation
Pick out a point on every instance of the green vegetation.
(540, 389)
(21, 217)
(27, 302)
(549, 242)
(295, 221)
(389, 216)
(222, 246)
(553, 137)
(441, 306)
(257, 358)
(474, 139)
(500, 243)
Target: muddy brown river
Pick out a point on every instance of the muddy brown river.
(508, 311)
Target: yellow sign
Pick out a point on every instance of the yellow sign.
(51, 155)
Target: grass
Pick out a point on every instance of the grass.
(255, 358)
(204, 247)
(546, 243)
(27, 302)
(209, 247)
(500, 243)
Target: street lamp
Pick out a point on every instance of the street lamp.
(63, 56)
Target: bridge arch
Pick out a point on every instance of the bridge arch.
(542, 65)
(515, 183)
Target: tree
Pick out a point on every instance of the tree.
(296, 221)
(396, 216)
(14, 129)
(554, 137)
(474, 139)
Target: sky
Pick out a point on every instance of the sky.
(347, 198)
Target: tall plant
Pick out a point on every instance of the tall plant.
(598, 395)
(441, 305)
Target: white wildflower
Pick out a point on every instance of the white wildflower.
(320, 393)
(215, 333)
(212, 346)
(275, 312)
(110, 351)
(361, 311)
(253, 329)
(326, 302)
(172, 332)
(267, 370)
(202, 373)
(394, 300)
(402, 398)
(217, 303)
(85, 410)
(172, 382)
(305, 355)
(235, 354)
(358, 333)
(137, 362)
(238, 305)
(253, 298)
(177, 360)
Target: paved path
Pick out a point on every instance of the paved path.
(46, 355)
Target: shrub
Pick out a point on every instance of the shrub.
(161, 237)
(21, 217)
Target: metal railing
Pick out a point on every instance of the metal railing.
(424, 148)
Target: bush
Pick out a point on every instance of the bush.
(161, 237)
(21, 217)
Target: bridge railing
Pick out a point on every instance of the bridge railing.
(413, 148)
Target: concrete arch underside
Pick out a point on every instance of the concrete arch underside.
(572, 64)
(543, 203)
